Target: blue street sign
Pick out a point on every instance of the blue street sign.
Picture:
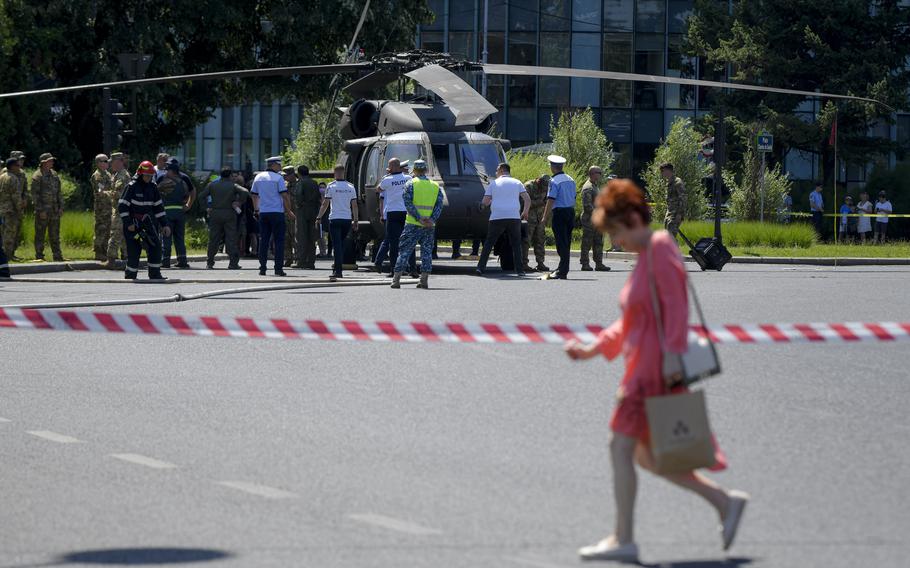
(765, 142)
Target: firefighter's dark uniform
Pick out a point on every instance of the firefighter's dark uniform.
(141, 206)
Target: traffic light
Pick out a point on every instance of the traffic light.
(113, 126)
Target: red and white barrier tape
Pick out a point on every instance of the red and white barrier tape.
(97, 322)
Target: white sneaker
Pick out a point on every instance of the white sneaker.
(609, 549)
(738, 500)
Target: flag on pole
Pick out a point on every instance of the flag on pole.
(832, 140)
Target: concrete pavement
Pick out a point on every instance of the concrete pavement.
(241, 453)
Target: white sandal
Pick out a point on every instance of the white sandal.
(738, 500)
(609, 549)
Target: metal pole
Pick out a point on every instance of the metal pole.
(486, 22)
(761, 215)
(836, 172)
(720, 141)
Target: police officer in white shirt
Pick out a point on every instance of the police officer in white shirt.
(272, 201)
(393, 214)
(503, 196)
(343, 217)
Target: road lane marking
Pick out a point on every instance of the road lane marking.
(393, 524)
(55, 437)
(144, 460)
(260, 490)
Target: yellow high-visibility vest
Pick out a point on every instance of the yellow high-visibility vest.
(425, 194)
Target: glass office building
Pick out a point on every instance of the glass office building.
(637, 36)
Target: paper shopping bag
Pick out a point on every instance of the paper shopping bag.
(680, 433)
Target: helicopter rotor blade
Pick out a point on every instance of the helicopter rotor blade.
(470, 107)
(240, 74)
(526, 70)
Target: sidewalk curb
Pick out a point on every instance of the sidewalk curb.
(72, 266)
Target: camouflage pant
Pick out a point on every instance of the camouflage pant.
(410, 238)
(12, 223)
(290, 230)
(102, 225)
(591, 238)
(672, 223)
(537, 238)
(115, 247)
(48, 225)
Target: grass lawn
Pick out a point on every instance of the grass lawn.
(900, 249)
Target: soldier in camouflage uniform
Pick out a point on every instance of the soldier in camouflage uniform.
(13, 220)
(12, 204)
(120, 178)
(591, 238)
(676, 199)
(536, 237)
(101, 189)
(290, 229)
(48, 199)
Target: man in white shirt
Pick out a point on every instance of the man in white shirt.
(343, 217)
(504, 195)
(392, 214)
(271, 200)
(883, 207)
(161, 166)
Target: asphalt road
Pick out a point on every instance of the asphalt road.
(198, 451)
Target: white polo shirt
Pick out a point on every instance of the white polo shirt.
(506, 203)
(392, 190)
(341, 193)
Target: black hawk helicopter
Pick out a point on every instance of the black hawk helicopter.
(445, 126)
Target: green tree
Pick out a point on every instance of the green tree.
(62, 42)
(744, 179)
(578, 138)
(855, 47)
(681, 148)
(318, 141)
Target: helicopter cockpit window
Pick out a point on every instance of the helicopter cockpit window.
(372, 167)
(479, 159)
(409, 151)
(446, 161)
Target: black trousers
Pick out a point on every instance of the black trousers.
(271, 227)
(512, 227)
(134, 248)
(339, 229)
(563, 223)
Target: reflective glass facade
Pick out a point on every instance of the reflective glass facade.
(641, 36)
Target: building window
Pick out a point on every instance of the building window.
(586, 55)
(227, 123)
(432, 41)
(649, 17)
(523, 49)
(462, 16)
(680, 65)
(555, 52)
(522, 127)
(678, 12)
(523, 15)
(462, 44)
(618, 15)
(496, 47)
(189, 147)
(437, 7)
(649, 60)
(285, 127)
(648, 126)
(544, 116)
(522, 91)
(617, 57)
(554, 15)
(586, 15)
(617, 125)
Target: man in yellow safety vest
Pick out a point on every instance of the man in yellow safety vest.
(423, 201)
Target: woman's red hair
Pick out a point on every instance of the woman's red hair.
(618, 203)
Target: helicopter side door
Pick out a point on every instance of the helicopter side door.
(369, 175)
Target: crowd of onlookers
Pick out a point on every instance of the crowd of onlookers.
(861, 222)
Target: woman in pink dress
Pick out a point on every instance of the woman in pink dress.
(623, 213)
